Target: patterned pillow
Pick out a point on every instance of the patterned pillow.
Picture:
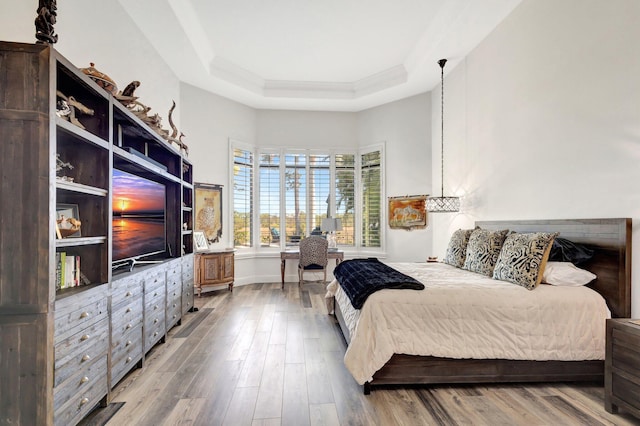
(457, 250)
(523, 258)
(483, 250)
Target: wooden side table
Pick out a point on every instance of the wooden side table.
(214, 268)
(622, 366)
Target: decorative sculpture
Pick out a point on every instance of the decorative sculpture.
(173, 138)
(101, 79)
(45, 20)
(67, 106)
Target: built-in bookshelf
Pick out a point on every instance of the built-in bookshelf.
(65, 304)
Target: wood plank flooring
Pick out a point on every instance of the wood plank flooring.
(265, 356)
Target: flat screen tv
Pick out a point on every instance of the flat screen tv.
(138, 222)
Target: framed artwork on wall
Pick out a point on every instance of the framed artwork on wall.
(208, 211)
(408, 212)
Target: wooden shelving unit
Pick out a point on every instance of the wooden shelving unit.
(64, 349)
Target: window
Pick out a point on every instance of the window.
(269, 201)
(242, 198)
(295, 190)
(295, 183)
(319, 191)
(371, 199)
(345, 182)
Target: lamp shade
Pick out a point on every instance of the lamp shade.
(331, 224)
(443, 204)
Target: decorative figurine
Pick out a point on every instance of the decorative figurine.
(45, 20)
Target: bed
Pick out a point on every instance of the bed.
(610, 240)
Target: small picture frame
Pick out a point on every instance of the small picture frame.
(68, 222)
(200, 241)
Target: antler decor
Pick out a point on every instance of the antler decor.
(45, 20)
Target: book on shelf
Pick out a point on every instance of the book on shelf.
(58, 271)
(68, 271)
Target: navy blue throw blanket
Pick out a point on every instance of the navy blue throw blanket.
(360, 278)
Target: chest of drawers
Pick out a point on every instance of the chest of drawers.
(80, 368)
(622, 366)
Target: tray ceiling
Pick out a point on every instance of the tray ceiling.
(340, 55)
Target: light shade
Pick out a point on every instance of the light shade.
(443, 204)
(331, 224)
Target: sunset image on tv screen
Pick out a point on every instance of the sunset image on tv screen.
(138, 216)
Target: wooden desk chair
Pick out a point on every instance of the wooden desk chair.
(313, 256)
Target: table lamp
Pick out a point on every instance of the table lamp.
(330, 225)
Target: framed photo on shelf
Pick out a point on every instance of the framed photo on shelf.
(208, 210)
(200, 241)
(68, 222)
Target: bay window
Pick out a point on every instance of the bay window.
(296, 189)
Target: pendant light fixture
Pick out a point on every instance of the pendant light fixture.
(442, 204)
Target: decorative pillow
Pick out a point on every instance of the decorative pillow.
(564, 250)
(566, 274)
(457, 250)
(483, 250)
(523, 258)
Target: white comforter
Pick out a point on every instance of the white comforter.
(461, 314)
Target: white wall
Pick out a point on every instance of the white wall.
(405, 127)
(542, 119)
(102, 33)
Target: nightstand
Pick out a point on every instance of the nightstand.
(622, 367)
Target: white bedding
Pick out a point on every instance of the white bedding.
(462, 314)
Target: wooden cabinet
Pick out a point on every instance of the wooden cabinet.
(154, 308)
(622, 367)
(126, 325)
(187, 283)
(64, 348)
(174, 293)
(81, 336)
(214, 268)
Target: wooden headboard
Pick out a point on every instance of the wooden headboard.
(611, 241)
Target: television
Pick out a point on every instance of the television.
(138, 220)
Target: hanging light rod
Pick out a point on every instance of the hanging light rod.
(442, 204)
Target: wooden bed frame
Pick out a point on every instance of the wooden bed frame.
(611, 241)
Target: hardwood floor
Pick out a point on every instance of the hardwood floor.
(266, 356)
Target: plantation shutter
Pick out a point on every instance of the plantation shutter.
(242, 198)
(371, 198)
(269, 200)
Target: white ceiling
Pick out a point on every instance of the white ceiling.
(333, 55)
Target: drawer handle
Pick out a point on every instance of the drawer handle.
(85, 337)
(86, 358)
(155, 294)
(84, 401)
(188, 294)
(155, 334)
(84, 314)
(85, 379)
(128, 343)
(128, 326)
(128, 294)
(174, 305)
(155, 321)
(174, 316)
(128, 310)
(128, 359)
(155, 307)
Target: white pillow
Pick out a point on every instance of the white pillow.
(566, 274)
